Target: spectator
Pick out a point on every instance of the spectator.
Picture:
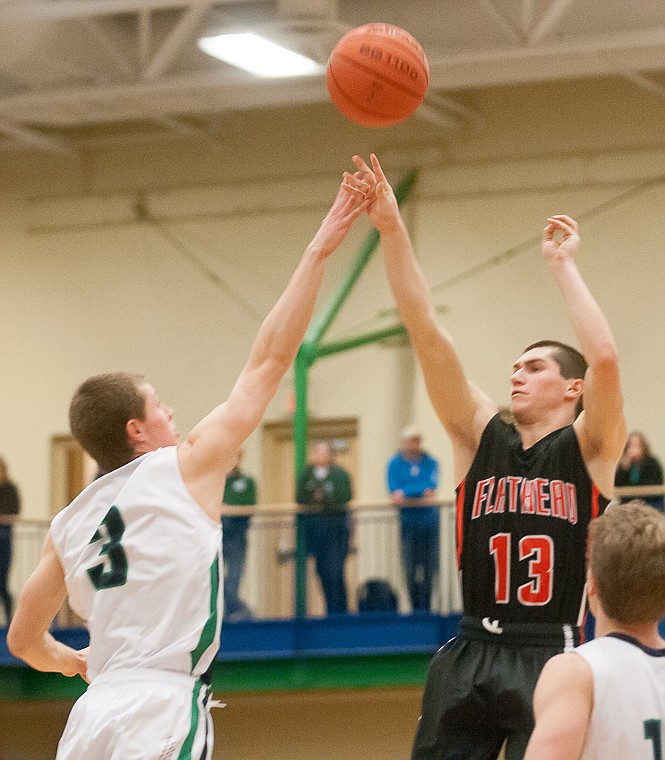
(324, 489)
(413, 475)
(638, 467)
(10, 506)
(239, 491)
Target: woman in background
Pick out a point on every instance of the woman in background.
(639, 467)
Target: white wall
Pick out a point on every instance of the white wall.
(86, 288)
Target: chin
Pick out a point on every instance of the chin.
(520, 414)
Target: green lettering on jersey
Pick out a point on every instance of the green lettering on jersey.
(112, 570)
(653, 733)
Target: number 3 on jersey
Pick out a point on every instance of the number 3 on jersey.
(112, 570)
(539, 551)
(653, 733)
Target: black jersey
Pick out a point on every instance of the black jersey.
(522, 519)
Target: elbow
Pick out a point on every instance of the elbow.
(17, 647)
(606, 358)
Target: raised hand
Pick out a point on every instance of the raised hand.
(351, 201)
(383, 210)
(555, 248)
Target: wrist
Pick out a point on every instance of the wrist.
(390, 224)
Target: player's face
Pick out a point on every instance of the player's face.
(536, 384)
(158, 425)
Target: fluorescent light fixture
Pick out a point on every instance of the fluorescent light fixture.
(258, 56)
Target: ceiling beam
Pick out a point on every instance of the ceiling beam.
(550, 19)
(644, 83)
(308, 9)
(34, 10)
(31, 138)
(104, 42)
(527, 15)
(574, 57)
(501, 20)
(144, 38)
(178, 37)
(174, 95)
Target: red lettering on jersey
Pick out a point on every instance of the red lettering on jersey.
(490, 491)
(558, 499)
(571, 499)
(500, 501)
(527, 497)
(513, 481)
(481, 496)
(542, 496)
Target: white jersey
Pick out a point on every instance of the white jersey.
(628, 717)
(142, 564)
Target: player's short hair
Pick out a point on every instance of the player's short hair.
(99, 412)
(571, 362)
(627, 561)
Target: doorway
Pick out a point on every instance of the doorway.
(277, 541)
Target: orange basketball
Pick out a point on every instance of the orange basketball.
(377, 75)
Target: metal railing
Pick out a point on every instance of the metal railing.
(268, 586)
(268, 581)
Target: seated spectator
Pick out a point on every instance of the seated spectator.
(413, 474)
(638, 467)
(324, 490)
(239, 491)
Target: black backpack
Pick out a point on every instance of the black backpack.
(377, 595)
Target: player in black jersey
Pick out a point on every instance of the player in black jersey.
(526, 494)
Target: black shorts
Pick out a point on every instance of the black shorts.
(480, 687)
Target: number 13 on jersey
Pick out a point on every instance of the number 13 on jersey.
(538, 551)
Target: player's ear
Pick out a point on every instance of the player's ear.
(575, 387)
(135, 431)
(592, 592)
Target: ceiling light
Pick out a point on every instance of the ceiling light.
(258, 56)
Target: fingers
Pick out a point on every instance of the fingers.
(355, 183)
(362, 165)
(562, 222)
(378, 171)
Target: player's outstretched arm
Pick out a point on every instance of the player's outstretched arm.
(42, 597)
(562, 702)
(205, 456)
(601, 428)
(462, 408)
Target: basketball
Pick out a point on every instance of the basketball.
(377, 75)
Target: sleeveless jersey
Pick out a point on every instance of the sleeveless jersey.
(142, 568)
(628, 716)
(522, 520)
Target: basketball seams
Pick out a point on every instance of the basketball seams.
(353, 110)
(416, 94)
(386, 118)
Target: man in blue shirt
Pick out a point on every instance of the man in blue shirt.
(413, 475)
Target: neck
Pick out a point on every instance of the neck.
(646, 634)
(532, 431)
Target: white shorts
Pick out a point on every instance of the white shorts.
(140, 714)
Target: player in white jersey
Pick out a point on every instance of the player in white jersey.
(138, 551)
(606, 699)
